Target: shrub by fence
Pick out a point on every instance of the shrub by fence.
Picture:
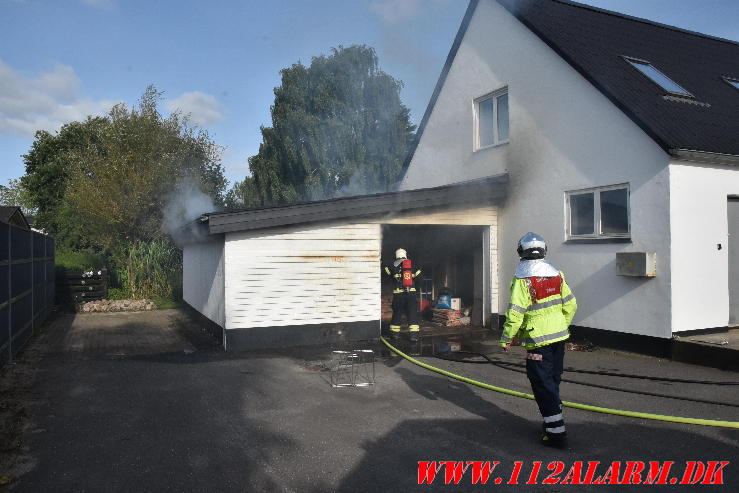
(26, 286)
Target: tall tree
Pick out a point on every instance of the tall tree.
(338, 128)
(105, 182)
(243, 195)
(47, 174)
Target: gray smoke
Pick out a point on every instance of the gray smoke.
(182, 209)
(356, 186)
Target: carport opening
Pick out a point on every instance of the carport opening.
(451, 259)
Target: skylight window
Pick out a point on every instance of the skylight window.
(658, 77)
(733, 82)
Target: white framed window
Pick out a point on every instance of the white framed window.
(600, 212)
(491, 119)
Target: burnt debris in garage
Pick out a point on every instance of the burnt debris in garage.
(451, 262)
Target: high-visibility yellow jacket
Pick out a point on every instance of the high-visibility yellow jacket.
(539, 322)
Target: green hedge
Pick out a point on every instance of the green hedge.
(80, 260)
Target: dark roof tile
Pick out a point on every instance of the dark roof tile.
(14, 216)
(594, 42)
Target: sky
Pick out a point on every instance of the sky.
(219, 61)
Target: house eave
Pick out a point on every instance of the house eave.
(704, 157)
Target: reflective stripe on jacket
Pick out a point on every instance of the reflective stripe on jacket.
(541, 322)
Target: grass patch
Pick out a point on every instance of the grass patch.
(167, 303)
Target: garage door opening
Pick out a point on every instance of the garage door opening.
(452, 261)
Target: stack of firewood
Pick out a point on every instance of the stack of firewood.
(450, 318)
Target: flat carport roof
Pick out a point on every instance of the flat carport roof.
(490, 189)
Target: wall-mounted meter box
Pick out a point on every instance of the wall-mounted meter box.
(636, 264)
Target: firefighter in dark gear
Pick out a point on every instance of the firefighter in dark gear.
(539, 314)
(404, 295)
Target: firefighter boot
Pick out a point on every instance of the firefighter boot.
(555, 440)
(395, 332)
(415, 331)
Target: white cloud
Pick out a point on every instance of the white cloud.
(392, 11)
(203, 109)
(61, 83)
(395, 10)
(100, 4)
(43, 102)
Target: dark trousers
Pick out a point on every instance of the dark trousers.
(405, 303)
(544, 368)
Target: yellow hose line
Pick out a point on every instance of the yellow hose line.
(575, 405)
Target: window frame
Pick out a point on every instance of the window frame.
(732, 81)
(633, 61)
(597, 220)
(494, 95)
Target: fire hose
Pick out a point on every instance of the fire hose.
(512, 367)
(505, 364)
(574, 405)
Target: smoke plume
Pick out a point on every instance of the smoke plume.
(184, 205)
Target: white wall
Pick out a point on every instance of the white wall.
(700, 271)
(202, 278)
(564, 135)
(303, 275)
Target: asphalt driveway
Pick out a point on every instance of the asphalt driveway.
(147, 402)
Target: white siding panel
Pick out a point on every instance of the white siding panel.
(303, 275)
(202, 275)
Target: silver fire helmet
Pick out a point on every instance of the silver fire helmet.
(532, 246)
(400, 253)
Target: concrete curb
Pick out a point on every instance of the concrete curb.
(696, 353)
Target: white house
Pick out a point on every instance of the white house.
(604, 133)
(618, 135)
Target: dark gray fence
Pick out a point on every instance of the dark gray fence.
(26, 286)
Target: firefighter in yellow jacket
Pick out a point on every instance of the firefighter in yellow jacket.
(405, 297)
(539, 314)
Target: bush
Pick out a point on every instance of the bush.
(79, 260)
(117, 294)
